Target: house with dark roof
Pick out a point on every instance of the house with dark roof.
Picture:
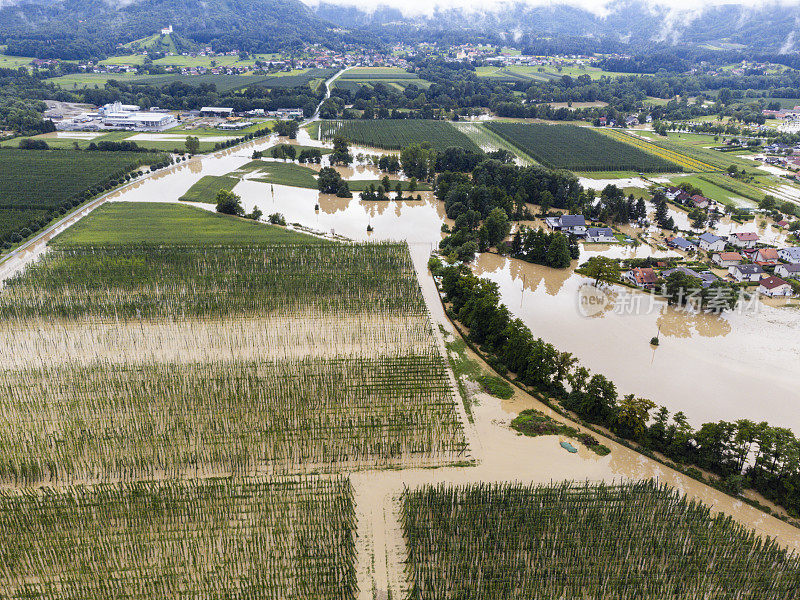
(791, 271)
(706, 277)
(746, 239)
(790, 255)
(573, 224)
(774, 286)
(745, 272)
(711, 243)
(601, 235)
(681, 244)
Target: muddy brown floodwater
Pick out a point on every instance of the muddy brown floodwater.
(710, 367)
(735, 365)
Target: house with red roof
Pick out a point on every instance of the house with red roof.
(745, 239)
(642, 276)
(774, 286)
(766, 256)
(726, 259)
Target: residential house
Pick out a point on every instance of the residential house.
(726, 259)
(573, 224)
(706, 277)
(642, 276)
(711, 243)
(774, 286)
(602, 235)
(699, 201)
(681, 244)
(746, 239)
(791, 271)
(790, 255)
(672, 192)
(766, 256)
(745, 272)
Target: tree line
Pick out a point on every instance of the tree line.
(743, 454)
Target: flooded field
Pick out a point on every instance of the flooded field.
(711, 367)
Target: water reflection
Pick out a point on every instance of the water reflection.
(708, 366)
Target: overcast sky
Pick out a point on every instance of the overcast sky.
(597, 6)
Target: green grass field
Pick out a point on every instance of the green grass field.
(14, 62)
(577, 148)
(67, 143)
(78, 81)
(282, 173)
(391, 76)
(119, 223)
(396, 134)
(208, 187)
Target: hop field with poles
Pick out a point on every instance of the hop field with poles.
(687, 162)
(396, 134)
(578, 148)
(569, 541)
(148, 362)
(218, 538)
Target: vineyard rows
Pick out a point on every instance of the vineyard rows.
(577, 148)
(626, 541)
(396, 134)
(220, 538)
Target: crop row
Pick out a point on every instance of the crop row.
(90, 423)
(633, 540)
(396, 134)
(577, 148)
(220, 538)
(177, 282)
(687, 162)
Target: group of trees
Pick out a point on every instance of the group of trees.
(229, 203)
(553, 249)
(329, 181)
(742, 454)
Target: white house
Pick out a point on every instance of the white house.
(774, 286)
(767, 256)
(791, 271)
(726, 259)
(574, 224)
(681, 244)
(642, 276)
(790, 255)
(745, 272)
(711, 243)
(602, 235)
(745, 239)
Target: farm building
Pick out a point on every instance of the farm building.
(216, 111)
